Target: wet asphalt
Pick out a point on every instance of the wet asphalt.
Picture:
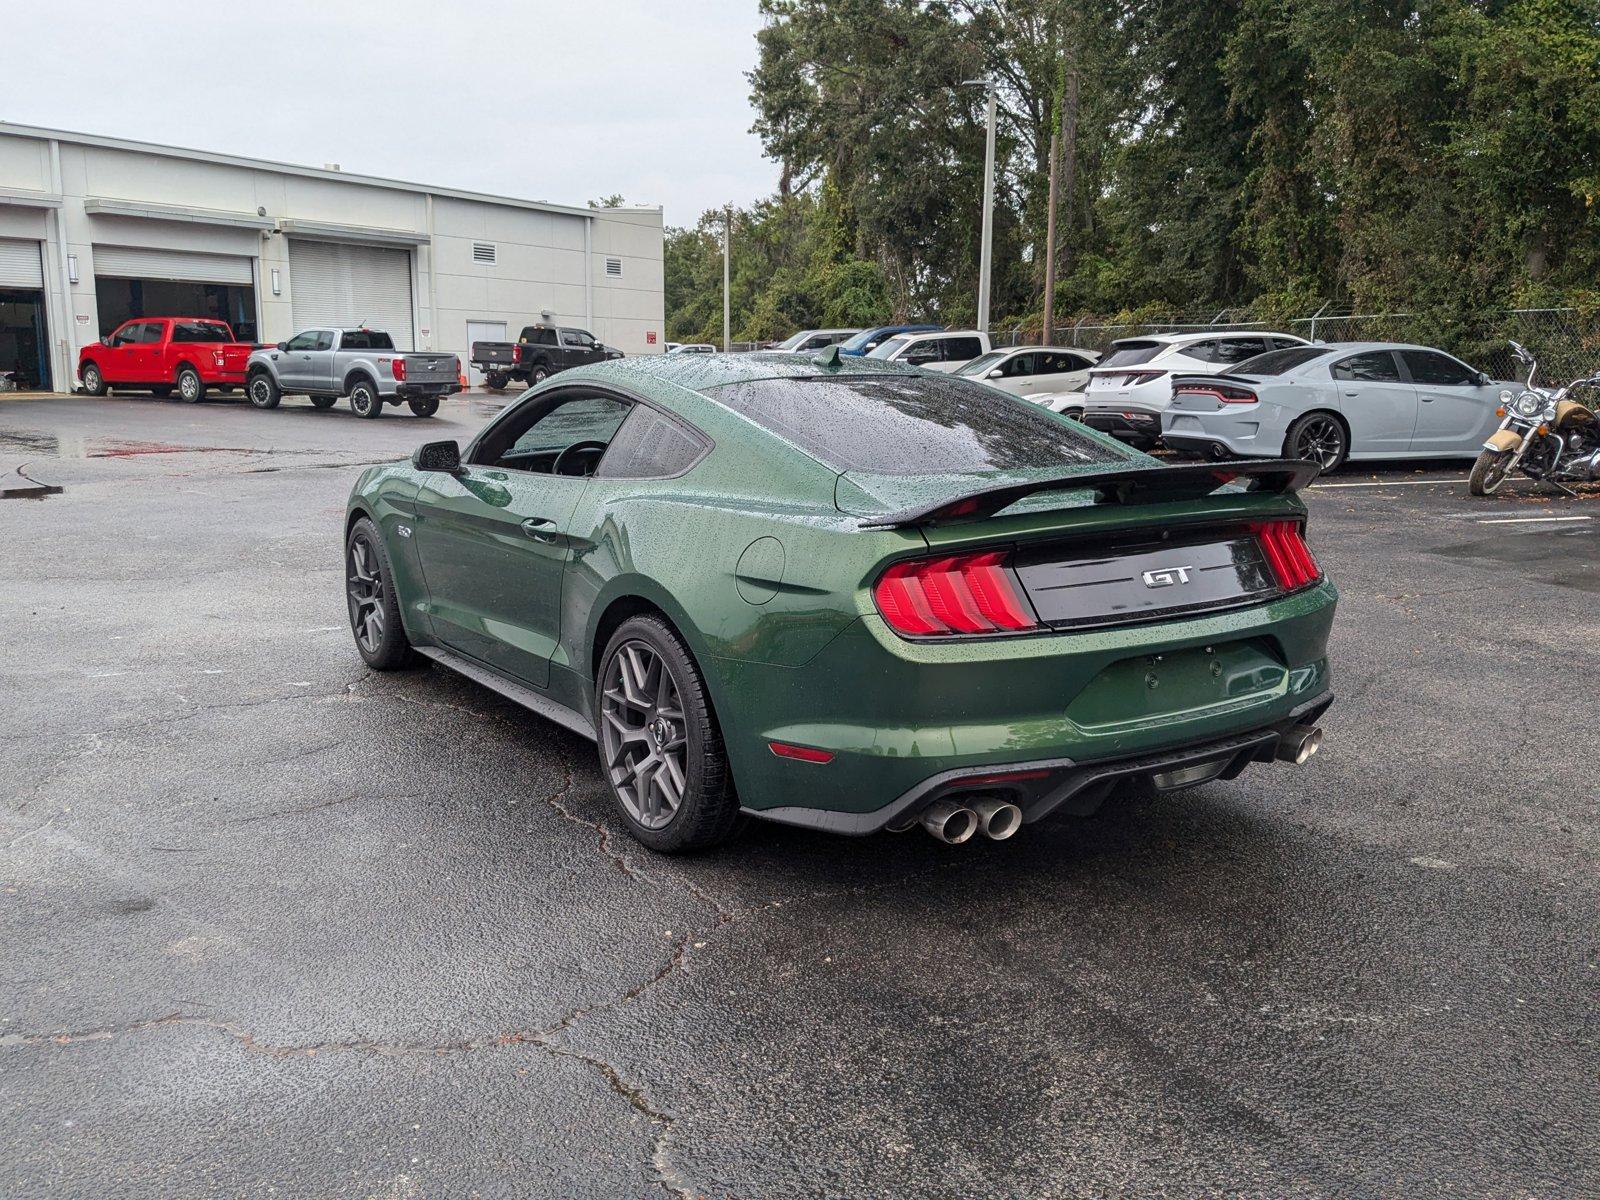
(272, 924)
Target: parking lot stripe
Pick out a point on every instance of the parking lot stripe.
(1394, 483)
(1528, 520)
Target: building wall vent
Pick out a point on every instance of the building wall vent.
(614, 266)
(483, 252)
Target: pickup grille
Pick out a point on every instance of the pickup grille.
(1144, 577)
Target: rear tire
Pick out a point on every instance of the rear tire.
(374, 609)
(191, 387)
(424, 406)
(161, 392)
(1489, 472)
(660, 747)
(324, 401)
(93, 382)
(495, 381)
(264, 391)
(1318, 437)
(365, 401)
(537, 376)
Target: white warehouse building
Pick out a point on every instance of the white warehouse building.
(94, 230)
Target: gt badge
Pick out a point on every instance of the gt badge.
(1166, 577)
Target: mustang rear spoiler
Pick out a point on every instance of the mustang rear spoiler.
(1126, 485)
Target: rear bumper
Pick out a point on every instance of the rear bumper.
(1045, 787)
(1127, 425)
(413, 391)
(902, 719)
(1248, 431)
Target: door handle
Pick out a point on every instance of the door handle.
(1428, 399)
(1352, 393)
(540, 529)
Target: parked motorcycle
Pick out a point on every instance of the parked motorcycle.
(1546, 434)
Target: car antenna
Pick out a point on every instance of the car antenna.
(828, 358)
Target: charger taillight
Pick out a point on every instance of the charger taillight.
(1287, 554)
(1222, 393)
(953, 595)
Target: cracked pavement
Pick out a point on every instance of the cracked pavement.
(272, 922)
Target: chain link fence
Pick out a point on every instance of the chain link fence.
(1565, 340)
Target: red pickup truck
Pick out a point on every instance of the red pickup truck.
(163, 354)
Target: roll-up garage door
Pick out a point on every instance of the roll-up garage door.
(19, 264)
(130, 262)
(335, 284)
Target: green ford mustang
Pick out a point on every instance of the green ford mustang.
(848, 594)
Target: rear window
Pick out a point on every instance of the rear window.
(1276, 362)
(201, 331)
(906, 425)
(366, 339)
(1127, 353)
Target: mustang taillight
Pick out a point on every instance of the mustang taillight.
(399, 369)
(958, 594)
(1287, 554)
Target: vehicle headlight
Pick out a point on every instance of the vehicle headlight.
(1506, 397)
(1530, 404)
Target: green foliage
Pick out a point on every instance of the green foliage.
(1440, 157)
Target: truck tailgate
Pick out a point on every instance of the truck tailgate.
(431, 368)
(496, 353)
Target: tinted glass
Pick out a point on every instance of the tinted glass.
(148, 333)
(1127, 353)
(906, 425)
(1053, 362)
(201, 331)
(303, 341)
(1436, 370)
(1276, 362)
(539, 337)
(650, 446)
(1226, 350)
(324, 340)
(366, 339)
(981, 364)
(960, 349)
(1022, 364)
(1377, 366)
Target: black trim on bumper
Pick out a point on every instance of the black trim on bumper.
(1137, 429)
(411, 391)
(1077, 788)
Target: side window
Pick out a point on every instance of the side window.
(533, 437)
(543, 337)
(324, 340)
(1201, 352)
(1055, 363)
(308, 339)
(961, 349)
(1436, 370)
(1236, 350)
(1377, 366)
(816, 342)
(147, 333)
(918, 353)
(1022, 364)
(571, 340)
(1280, 343)
(125, 334)
(650, 446)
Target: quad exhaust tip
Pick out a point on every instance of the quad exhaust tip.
(950, 823)
(998, 819)
(1299, 743)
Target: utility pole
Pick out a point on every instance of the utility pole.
(727, 256)
(986, 252)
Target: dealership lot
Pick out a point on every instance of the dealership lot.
(274, 921)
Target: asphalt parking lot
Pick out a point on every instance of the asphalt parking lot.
(276, 925)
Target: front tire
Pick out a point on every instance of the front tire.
(264, 391)
(1318, 437)
(1490, 471)
(365, 401)
(537, 376)
(191, 388)
(374, 610)
(424, 406)
(93, 382)
(661, 749)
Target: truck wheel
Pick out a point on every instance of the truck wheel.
(537, 376)
(324, 401)
(161, 391)
(190, 385)
(496, 381)
(264, 390)
(93, 382)
(424, 406)
(365, 401)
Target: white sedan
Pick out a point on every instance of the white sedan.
(1049, 375)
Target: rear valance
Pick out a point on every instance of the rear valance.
(1128, 485)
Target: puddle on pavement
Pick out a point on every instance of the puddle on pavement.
(55, 446)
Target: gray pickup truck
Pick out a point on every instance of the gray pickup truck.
(360, 363)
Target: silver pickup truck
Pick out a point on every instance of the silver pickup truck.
(360, 363)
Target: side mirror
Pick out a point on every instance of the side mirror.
(105, 340)
(997, 373)
(1483, 379)
(283, 345)
(437, 456)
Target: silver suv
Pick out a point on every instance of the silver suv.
(363, 364)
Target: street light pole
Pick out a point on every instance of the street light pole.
(727, 256)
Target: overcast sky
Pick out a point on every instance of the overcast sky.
(558, 100)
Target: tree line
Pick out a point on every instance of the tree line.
(1437, 157)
